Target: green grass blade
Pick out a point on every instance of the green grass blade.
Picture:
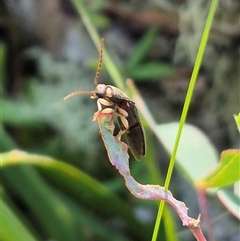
(3, 61)
(109, 64)
(193, 79)
(11, 227)
(69, 180)
(49, 211)
(142, 48)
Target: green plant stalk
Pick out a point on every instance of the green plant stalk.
(193, 79)
(3, 58)
(110, 66)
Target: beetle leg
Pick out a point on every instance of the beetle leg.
(123, 117)
(108, 111)
(126, 126)
(103, 102)
(122, 114)
(124, 122)
(120, 133)
(116, 111)
(100, 104)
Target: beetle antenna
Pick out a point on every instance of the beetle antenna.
(100, 63)
(84, 92)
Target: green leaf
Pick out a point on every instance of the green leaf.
(69, 180)
(196, 154)
(151, 70)
(230, 201)
(24, 182)
(224, 174)
(12, 227)
(237, 119)
(141, 49)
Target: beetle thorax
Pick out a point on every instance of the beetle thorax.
(103, 91)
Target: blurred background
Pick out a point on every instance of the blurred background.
(47, 53)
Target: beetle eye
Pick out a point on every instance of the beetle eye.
(99, 95)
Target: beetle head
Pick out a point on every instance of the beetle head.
(103, 91)
(100, 90)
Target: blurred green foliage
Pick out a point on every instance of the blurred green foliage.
(80, 197)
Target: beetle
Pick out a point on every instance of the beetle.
(114, 101)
